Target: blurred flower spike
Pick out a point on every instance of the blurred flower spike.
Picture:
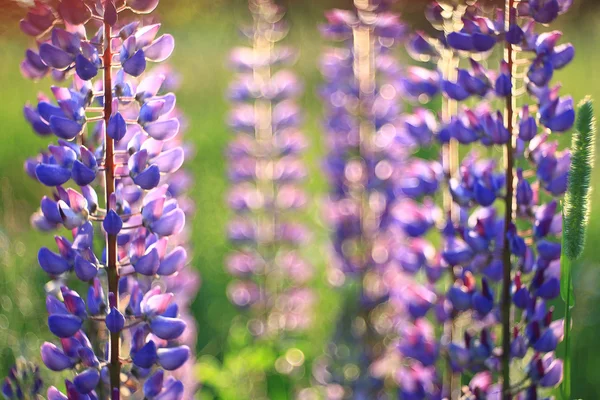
(266, 171)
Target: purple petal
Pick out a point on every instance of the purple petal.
(172, 358)
(454, 91)
(84, 269)
(148, 264)
(50, 210)
(154, 384)
(460, 299)
(87, 380)
(54, 358)
(55, 57)
(112, 223)
(150, 86)
(110, 13)
(81, 174)
(65, 128)
(151, 111)
(85, 69)
(173, 262)
(562, 122)
(173, 391)
(483, 42)
(160, 49)
(167, 328)
(460, 41)
(153, 209)
(142, 6)
(75, 12)
(146, 356)
(95, 298)
(32, 66)
(115, 321)
(170, 160)
(52, 175)
(562, 55)
(552, 374)
(64, 325)
(136, 64)
(55, 394)
(52, 263)
(157, 303)
(148, 178)
(540, 73)
(145, 35)
(40, 126)
(169, 224)
(117, 127)
(163, 130)
(47, 110)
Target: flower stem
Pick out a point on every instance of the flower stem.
(449, 63)
(111, 240)
(263, 110)
(365, 75)
(508, 214)
(450, 163)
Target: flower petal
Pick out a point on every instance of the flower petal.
(65, 128)
(160, 49)
(136, 64)
(163, 130)
(172, 358)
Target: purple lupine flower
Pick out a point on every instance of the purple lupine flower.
(482, 249)
(120, 136)
(266, 170)
(366, 145)
(23, 381)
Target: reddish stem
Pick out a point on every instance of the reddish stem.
(111, 240)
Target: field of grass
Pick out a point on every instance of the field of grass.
(204, 36)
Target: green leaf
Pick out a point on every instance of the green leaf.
(577, 198)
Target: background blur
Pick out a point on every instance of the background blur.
(205, 31)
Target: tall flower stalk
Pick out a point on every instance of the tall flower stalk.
(361, 97)
(509, 200)
(266, 169)
(120, 133)
(501, 243)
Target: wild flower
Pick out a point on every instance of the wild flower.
(115, 182)
(362, 106)
(500, 221)
(266, 170)
(23, 381)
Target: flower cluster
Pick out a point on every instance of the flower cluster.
(266, 170)
(117, 187)
(500, 224)
(362, 104)
(23, 381)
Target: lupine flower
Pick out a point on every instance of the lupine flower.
(363, 83)
(478, 246)
(266, 170)
(121, 137)
(23, 381)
